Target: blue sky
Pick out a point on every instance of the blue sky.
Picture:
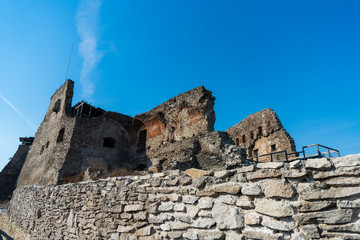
(300, 58)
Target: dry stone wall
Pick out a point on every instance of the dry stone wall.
(313, 199)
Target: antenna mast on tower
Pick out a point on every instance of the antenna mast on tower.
(67, 70)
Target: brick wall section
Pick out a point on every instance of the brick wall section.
(311, 199)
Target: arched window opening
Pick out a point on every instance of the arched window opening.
(243, 138)
(256, 152)
(251, 135)
(60, 137)
(141, 144)
(260, 131)
(109, 142)
(273, 147)
(57, 106)
(47, 144)
(237, 141)
(42, 149)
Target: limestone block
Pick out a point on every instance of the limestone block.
(229, 187)
(347, 161)
(348, 204)
(252, 190)
(315, 206)
(249, 168)
(344, 171)
(192, 211)
(294, 173)
(224, 174)
(205, 213)
(343, 182)
(228, 199)
(332, 193)
(318, 163)
(270, 165)
(260, 233)
(189, 199)
(244, 202)
(274, 208)
(174, 235)
(205, 203)
(203, 223)
(191, 235)
(179, 207)
(134, 207)
(165, 226)
(178, 225)
(336, 216)
(146, 231)
(350, 227)
(277, 189)
(310, 231)
(233, 235)
(166, 206)
(125, 229)
(210, 234)
(227, 217)
(263, 173)
(182, 217)
(252, 218)
(283, 225)
(196, 173)
(175, 197)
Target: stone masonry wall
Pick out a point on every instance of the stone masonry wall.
(313, 199)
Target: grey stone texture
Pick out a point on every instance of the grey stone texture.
(131, 207)
(10, 173)
(83, 141)
(262, 133)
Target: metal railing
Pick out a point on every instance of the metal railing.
(318, 152)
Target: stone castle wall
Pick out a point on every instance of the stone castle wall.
(317, 198)
(262, 133)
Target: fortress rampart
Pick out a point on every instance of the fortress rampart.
(312, 199)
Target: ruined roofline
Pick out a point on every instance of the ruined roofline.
(255, 115)
(67, 82)
(162, 106)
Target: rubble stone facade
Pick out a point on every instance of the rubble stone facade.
(312, 199)
(262, 133)
(178, 134)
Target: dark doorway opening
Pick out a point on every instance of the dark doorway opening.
(141, 145)
(109, 142)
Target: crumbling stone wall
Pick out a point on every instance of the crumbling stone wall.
(66, 144)
(52, 140)
(180, 134)
(262, 133)
(10, 173)
(313, 199)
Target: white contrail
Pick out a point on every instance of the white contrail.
(18, 112)
(87, 23)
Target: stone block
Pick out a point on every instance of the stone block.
(252, 190)
(337, 216)
(205, 203)
(270, 165)
(263, 173)
(227, 217)
(230, 187)
(318, 163)
(134, 207)
(189, 199)
(166, 206)
(280, 225)
(277, 189)
(196, 173)
(252, 218)
(274, 208)
(203, 223)
(315, 206)
(332, 193)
